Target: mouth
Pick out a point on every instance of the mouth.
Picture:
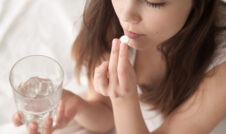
(132, 35)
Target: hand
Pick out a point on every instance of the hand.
(116, 78)
(67, 109)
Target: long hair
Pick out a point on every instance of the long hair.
(187, 54)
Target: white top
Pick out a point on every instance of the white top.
(153, 119)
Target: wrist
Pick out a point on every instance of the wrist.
(125, 100)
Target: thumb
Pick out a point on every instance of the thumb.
(17, 119)
(60, 115)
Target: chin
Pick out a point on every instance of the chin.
(138, 45)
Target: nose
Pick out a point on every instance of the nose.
(130, 12)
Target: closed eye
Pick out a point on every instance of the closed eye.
(155, 5)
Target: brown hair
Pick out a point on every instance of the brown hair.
(186, 60)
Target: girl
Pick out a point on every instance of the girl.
(177, 77)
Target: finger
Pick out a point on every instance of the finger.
(123, 66)
(17, 119)
(33, 128)
(60, 115)
(113, 63)
(47, 128)
(101, 78)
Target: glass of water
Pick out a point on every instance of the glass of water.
(37, 86)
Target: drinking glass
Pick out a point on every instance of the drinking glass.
(37, 82)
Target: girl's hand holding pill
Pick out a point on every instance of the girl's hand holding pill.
(116, 77)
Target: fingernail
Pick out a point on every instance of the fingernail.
(33, 126)
(17, 116)
(50, 121)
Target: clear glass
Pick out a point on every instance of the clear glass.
(37, 82)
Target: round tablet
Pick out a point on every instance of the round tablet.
(124, 39)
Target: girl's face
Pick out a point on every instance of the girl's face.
(150, 22)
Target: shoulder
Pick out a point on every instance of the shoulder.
(204, 110)
(213, 87)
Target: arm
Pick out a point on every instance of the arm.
(95, 113)
(203, 111)
(128, 117)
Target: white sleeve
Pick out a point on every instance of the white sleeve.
(220, 52)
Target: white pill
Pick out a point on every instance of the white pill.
(124, 39)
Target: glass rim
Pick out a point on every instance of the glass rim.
(23, 58)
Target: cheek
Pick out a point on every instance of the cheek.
(157, 28)
(163, 26)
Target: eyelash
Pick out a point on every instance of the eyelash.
(154, 5)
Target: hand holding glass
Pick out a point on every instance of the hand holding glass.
(37, 87)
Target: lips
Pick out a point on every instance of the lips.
(133, 35)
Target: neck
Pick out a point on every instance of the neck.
(150, 67)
